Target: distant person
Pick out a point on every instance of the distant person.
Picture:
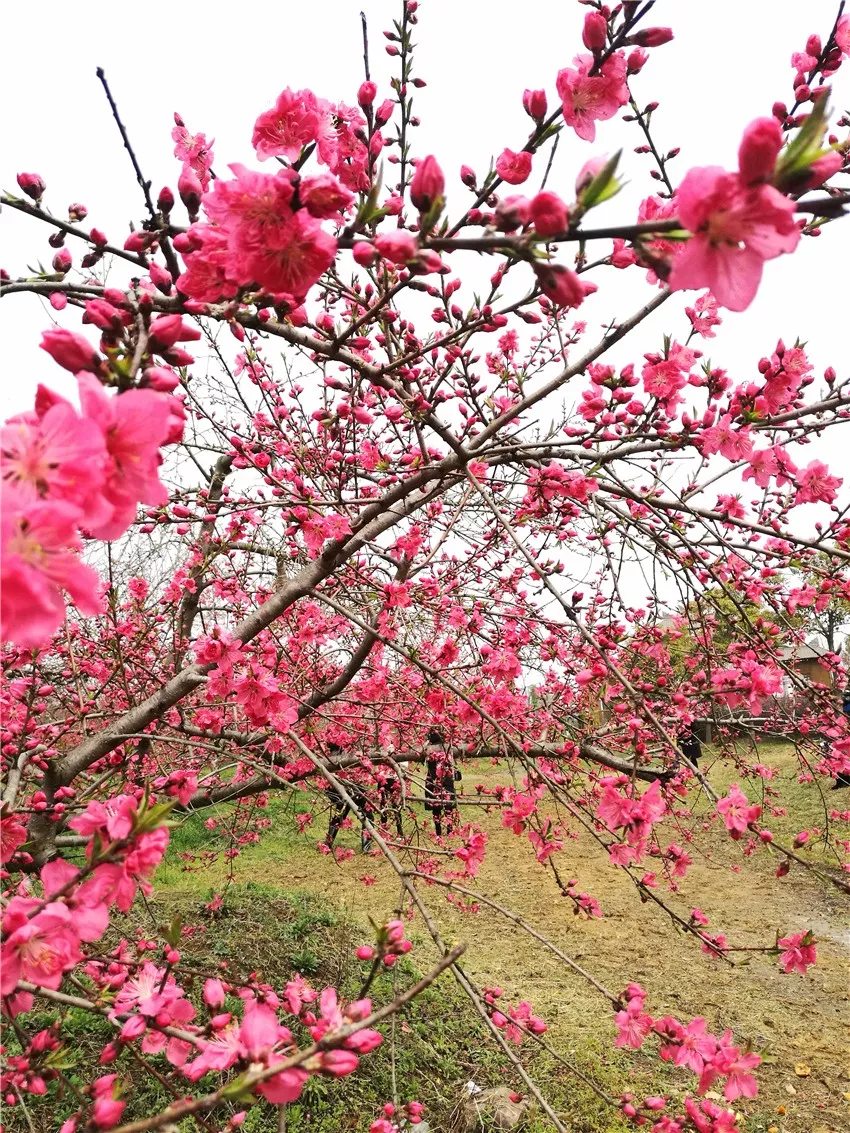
(340, 809)
(689, 743)
(389, 798)
(440, 776)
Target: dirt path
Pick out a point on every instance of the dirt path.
(801, 1024)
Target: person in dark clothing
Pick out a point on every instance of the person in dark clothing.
(689, 743)
(340, 809)
(842, 779)
(389, 800)
(440, 776)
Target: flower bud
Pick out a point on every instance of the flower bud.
(651, 37)
(759, 150)
(535, 104)
(62, 260)
(398, 246)
(428, 184)
(594, 32)
(77, 212)
(821, 169)
(562, 285)
(636, 60)
(32, 184)
(161, 278)
(548, 213)
(165, 200)
(366, 94)
(363, 253)
(384, 112)
(190, 189)
(467, 175)
(166, 330)
(133, 1028)
(213, 989)
(71, 351)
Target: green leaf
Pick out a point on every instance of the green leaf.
(173, 932)
(805, 149)
(603, 186)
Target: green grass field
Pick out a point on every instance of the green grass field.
(287, 908)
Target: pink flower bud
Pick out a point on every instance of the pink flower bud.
(759, 150)
(338, 1063)
(104, 316)
(801, 839)
(398, 246)
(98, 238)
(384, 112)
(594, 32)
(213, 993)
(71, 351)
(366, 94)
(62, 260)
(535, 104)
(467, 175)
(165, 200)
(651, 37)
(548, 213)
(364, 952)
(106, 1112)
(191, 190)
(514, 167)
(133, 1028)
(562, 285)
(32, 184)
(636, 60)
(167, 330)
(428, 184)
(161, 278)
(394, 930)
(363, 253)
(822, 168)
(77, 212)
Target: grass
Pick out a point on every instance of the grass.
(431, 1050)
(287, 908)
(792, 1020)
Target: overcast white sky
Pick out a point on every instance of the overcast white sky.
(220, 65)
